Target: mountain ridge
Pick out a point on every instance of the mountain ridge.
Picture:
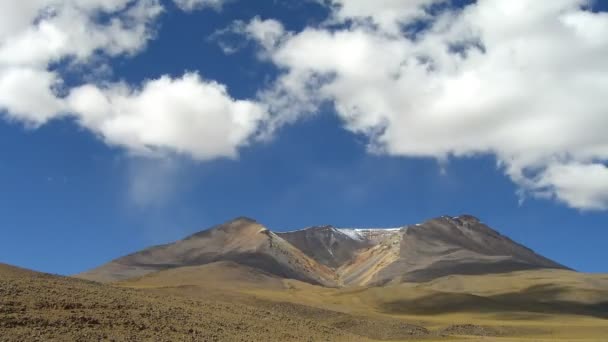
(337, 257)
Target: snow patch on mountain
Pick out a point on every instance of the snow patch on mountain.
(364, 234)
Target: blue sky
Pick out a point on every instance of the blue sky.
(75, 194)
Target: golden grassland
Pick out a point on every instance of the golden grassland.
(545, 305)
(228, 302)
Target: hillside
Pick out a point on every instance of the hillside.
(532, 305)
(242, 240)
(335, 257)
(457, 245)
(225, 301)
(43, 307)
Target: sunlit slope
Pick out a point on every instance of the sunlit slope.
(456, 245)
(338, 257)
(41, 307)
(221, 274)
(532, 305)
(242, 240)
(551, 292)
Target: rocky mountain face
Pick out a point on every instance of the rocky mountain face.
(330, 256)
(242, 240)
(326, 244)
(456, 245)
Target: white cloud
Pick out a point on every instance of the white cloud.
(27, 94)
(267, 32)
(186, 115)
(59, 29)
(34, 34)
(523, 80)
(389, 15)
(191, 5)
(578, 185)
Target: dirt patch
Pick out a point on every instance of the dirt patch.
(39, 307)
(380, 329)
(369, 327)
(471, 330)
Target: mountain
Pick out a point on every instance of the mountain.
(456, 245)
(326, 244)
(242, 240)
(336, 257)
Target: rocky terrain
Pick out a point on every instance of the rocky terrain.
(42, 307)
(449, 277)
(335, 257)
(241, 240)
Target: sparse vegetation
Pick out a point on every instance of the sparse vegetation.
(241, 282)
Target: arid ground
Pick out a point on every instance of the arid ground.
(450, 278)
(225, 301)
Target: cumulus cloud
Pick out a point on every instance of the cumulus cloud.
(388, 15)
(522, 80)
(268, 33)
(27, 94)
(578, 185)
(35, 34)
(186, 115)
(191, 5)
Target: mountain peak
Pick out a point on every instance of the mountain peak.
(239, 225)
(330, 256)
(458, 220)
(468, 218)
(235, 226)
(321, 228)
(243, 219)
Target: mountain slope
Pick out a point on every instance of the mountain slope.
(326, 244)
(329, 256)
(242, 240)
(438, 247)
(224, 274)
(43, 307)
(457, 245)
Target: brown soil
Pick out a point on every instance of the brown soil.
(376, 328)
(470, 330)
(41, 307)
(228, 302)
